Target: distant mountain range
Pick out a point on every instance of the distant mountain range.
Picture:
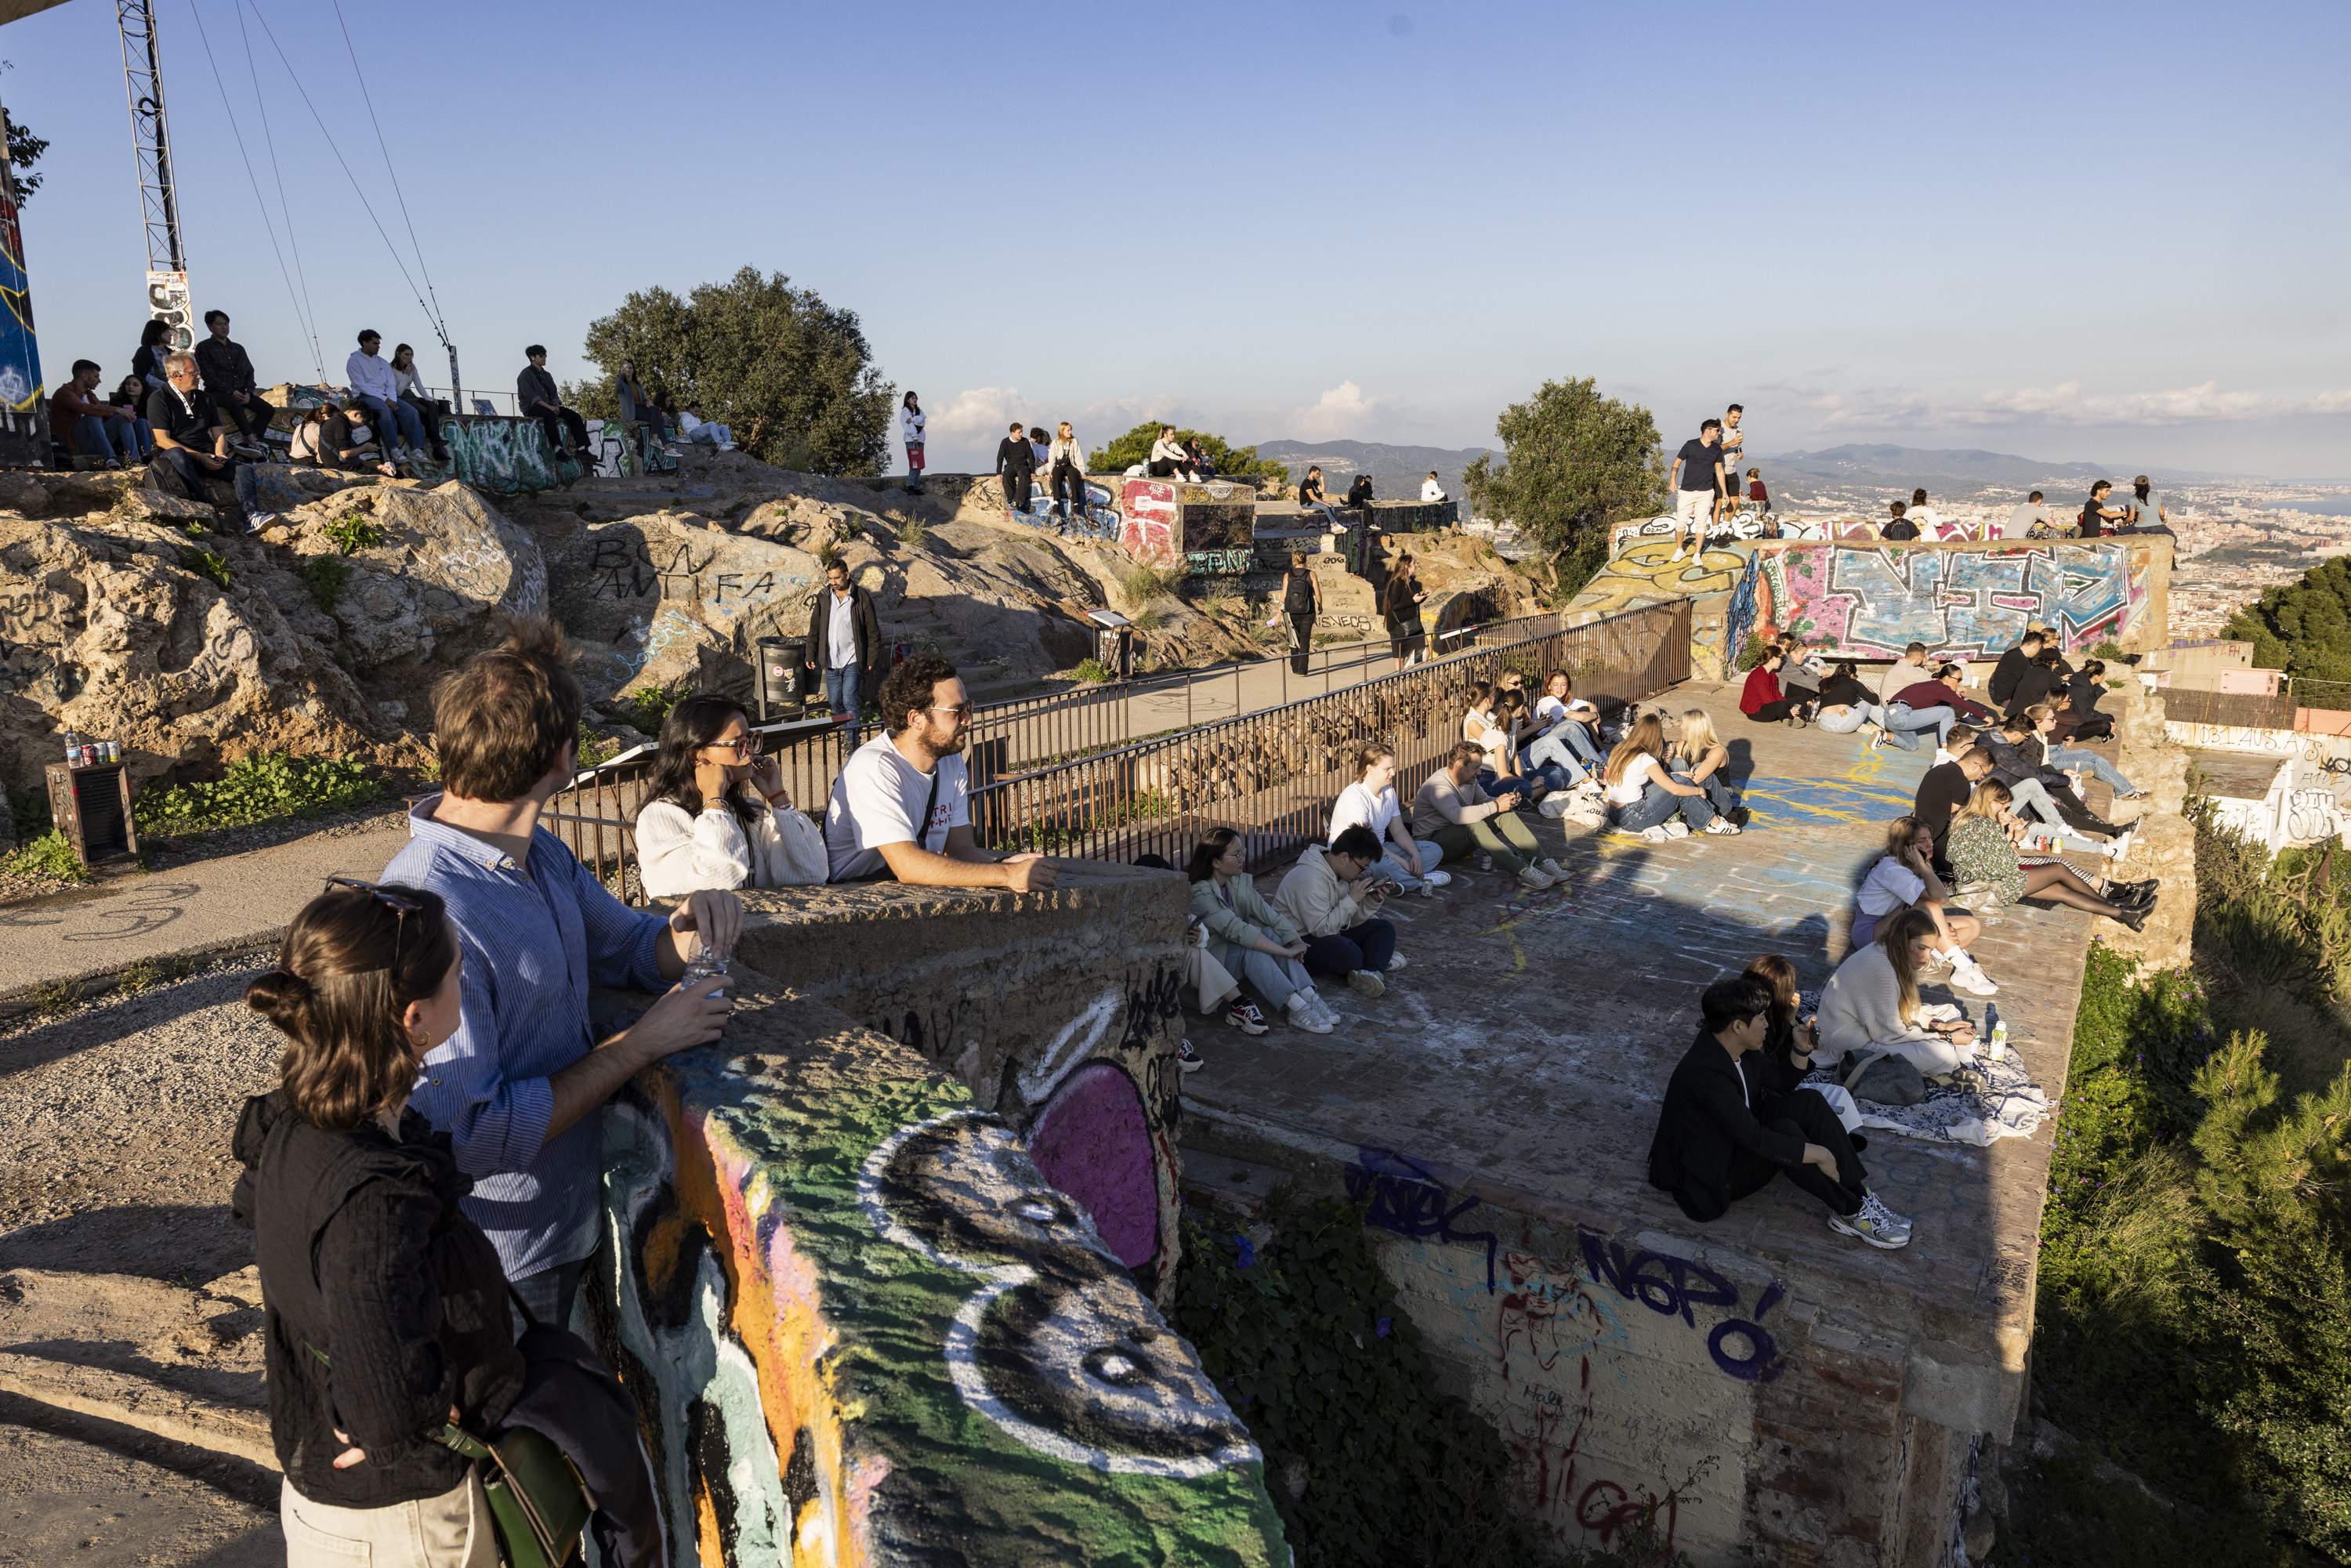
(1396, 471)
(1962, 473)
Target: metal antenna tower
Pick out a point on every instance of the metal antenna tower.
(151, 143)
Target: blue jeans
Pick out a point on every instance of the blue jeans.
(1718, 795)
(1275, 979)
(2073, 756)
(1513, 785)
(396, 423)
(1657, 803)
(1903, 723)
(1390, 866)
(129, 437)
(1561, 755)
(840, 694)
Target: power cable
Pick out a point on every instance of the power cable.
(254, 181)
(440, 323)
(277, 174)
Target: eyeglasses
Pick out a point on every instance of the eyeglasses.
(400, 907)
(748, 746)
(959, 711)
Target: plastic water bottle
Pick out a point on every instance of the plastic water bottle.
(73, 748)
(1997, 1028)
(704, 965)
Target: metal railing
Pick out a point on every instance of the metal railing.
(1274, 774)
(1029, 743)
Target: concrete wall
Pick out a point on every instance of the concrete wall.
(1168, 519)
(861, 1329)
(1059, 1011)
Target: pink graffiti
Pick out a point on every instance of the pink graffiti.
(1093, 1142)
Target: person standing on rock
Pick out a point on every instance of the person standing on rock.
(1400, 603)
(1016, 463)
(519, 1085)
(1068, 472)
(911, 421)
(844, 645)
(1696, 476)
(1302, 600)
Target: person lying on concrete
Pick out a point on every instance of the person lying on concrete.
(2073, 759)
(716, 814)
(228, 378)
(1989, 860)
(1717, 1143)
(1789, 1040)
(1250, 937)
(1699, 757)
(1370, 803)
(1453, 812)
(2045, 793)
(1642, 791)
(1904, 878)
(1332, 904)
(538, 398)
(901, 809)
(1872, 1006)
(192, 444)
(1942, 791)
(519, 1086)
(2081, 719)
(1763, 701)
(86, 428)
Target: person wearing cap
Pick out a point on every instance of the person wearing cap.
(2147, 515)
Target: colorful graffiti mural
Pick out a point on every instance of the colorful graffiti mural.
(1097, 519)
(23, 438)
(1167, 519)
(862, 1327)
(1971, 603)
(506, 457)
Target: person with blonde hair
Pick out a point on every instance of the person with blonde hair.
(1983, 849)
(1872, 1005)
(1641, 792)
(1067, 461)
(1698, 757)
(1904, 878)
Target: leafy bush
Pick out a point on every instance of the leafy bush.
(646, 708)
(2109, 650)
(354, 531)
(324, 576)
(1752, 654)
(208, 563)
(259, 789)
(1091, 671)
(50, 856)
(595, 748)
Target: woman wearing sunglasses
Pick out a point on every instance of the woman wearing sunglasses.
(716, 815)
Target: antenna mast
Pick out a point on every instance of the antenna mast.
(150, 147)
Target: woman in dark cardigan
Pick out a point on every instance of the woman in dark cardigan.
(385, 1308)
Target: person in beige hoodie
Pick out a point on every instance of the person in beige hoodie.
(1327, 898)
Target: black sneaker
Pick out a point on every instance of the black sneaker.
(1188, 1059)
(1244, 1016)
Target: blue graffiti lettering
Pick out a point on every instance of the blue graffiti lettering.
(1673, 1287)
(1409, 1201)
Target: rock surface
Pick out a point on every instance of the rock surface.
(2164, 846)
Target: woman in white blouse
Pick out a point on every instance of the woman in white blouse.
(911, 421)
(717, 815)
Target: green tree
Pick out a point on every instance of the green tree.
(2302, 628)
(1231, 462)
(793, 375)
(25, 150)
(1574, 463)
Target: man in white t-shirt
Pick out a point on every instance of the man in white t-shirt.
(1371, 802)
(2018, 524)
(902, 806)
(1431, 492)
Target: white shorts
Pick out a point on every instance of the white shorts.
(1691, 509)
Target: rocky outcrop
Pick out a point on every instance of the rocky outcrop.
(447, 572)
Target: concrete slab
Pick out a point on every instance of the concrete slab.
(1497, 1105)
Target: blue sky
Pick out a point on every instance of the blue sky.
(2105, 231)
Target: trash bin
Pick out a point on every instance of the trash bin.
(1113, 642)
(778, 672)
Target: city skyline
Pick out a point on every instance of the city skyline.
(1382, 224)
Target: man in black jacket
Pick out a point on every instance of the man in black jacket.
(844, 642)
(228, 378)
(2011, 666)
(1719, 1141)
(538, 397)
(1015, 461)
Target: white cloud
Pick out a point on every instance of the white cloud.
(2063, 405)
(982, 411)
(1343, 411)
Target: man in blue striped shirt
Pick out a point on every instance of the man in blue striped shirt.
(518, 1086)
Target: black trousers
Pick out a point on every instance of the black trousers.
(1399, 640)
(1016, 485)
(1810, 1117)
(250, 418)
(1068, 489)
(433, 413)
(571, 421)
(1773, 711)
(1301, 645)
(1161, 468)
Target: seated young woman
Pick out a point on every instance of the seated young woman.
(1642, 791)
(1568, 724)
(2081, 719)
(1983, 849)
(1482, 728)
(1846, 703)
(1789, 1042)
(2074, 759)
(1904, 878)
(1248, 935)
(1872, 1003)
(1762, 701)
(716, 814)
(1698, 757)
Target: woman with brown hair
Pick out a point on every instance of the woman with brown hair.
(384, 1306)
(1302, 600)
(1641, 792)
(1789, 1041)
(1982, 849)
(1904, 878)
(1872, 1003)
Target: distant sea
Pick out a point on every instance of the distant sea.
(2338, 505)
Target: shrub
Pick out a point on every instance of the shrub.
(1091, 671)
(1752, 654)
(50, 856)
(354, 531)
(1146, 581)
(208, 563)
(259, 789)
(913, 532)
(595, 748)
(324, 576)
(647, 706)
(2109, 650)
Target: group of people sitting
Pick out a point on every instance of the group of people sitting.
(1790, 682)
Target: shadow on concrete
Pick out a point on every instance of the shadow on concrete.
(107, 1019)
(183, 1242)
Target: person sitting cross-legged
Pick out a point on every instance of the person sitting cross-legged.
(1332, 903)
(1717, 1142)
(1453, 812)
(1871, 1006)
(1699, 757)
(89, 428)
(1762, 701)
(902, 806)
(1846, 703)
(1250, 938)
(1570, 731)
(1904, 878)
(1643, 792)
(1371, 802)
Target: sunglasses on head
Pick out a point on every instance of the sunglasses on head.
(402, 908)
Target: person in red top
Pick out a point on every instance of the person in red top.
(1943, 691)
(1762, 701)
(89, 428)
(1755, 491)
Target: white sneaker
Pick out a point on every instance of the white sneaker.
(1364, 982)
(1437, 878)
(1555, 805)
(1305, 1011)
(1969, 977)
(256, 521)
(1876, 1224)
(1677, 830)
(1396, 962)
(1535, 880)
(2121, 846)
(1551, 869)
(1722, 827)
(1657, 835)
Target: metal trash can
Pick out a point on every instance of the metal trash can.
(775, 663)
(1113, 642)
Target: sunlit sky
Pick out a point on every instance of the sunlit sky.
(2107, 233)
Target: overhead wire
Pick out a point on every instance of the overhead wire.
(440, 324)
(357, 189)
(253, 179)
(277, 174)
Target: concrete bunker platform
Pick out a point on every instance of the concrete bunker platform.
(1786, 1394)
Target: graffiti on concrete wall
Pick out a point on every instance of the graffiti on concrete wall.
(1972, 603)
(1148, 527)
(1222, 563)
(1954, 530)
(1401, 1195)
(1096, 519)
(1675, 1287)
(505, 457)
